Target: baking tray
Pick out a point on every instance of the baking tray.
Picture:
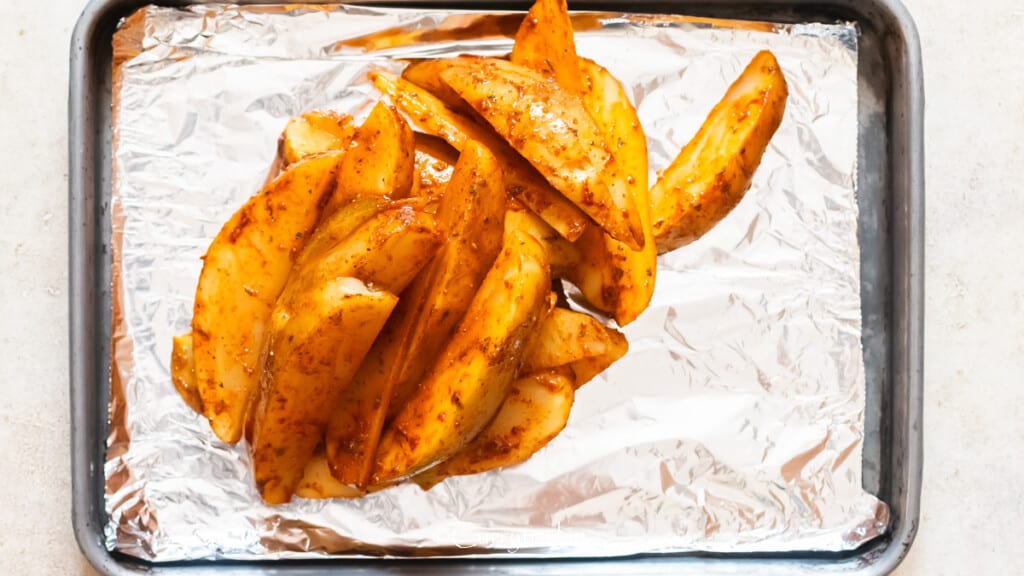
(890, 229)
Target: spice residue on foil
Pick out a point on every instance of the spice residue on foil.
(735, 422)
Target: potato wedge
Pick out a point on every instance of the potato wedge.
(244, 271)
(183, 371)
(545, 43)
(713, 171)
(315, 343)
(386, 252)
(564, 255)
(576, 341)
(435, 161)
(522, 181)
(315, 132)
(471, 216)
(380, 160)
(324, 323)
(534, 412)
(552, 130)
(427, 75)
(470, 380)
(337, 226)
(612, 276)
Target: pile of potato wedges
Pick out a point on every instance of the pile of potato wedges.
(383, 311)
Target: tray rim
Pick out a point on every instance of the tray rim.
(906, 184)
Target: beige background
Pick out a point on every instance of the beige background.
(973, 506)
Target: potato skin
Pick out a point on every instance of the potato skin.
(244, 270)
(713, 171)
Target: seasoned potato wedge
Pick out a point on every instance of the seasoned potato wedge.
(323, 324)
(183, 371)
(612, 276)
(244, 271)
(380, 160)
(473, 218)
(386, 251)
(577, 341)
(526, 184)
(435, 161)
(315, 132)
(564, 255)
(470, 215)
(552, 130)
(427, 75)
(545, 43)
(337, 226)
(534, 412)
(522, 181)
(315, 342)
(471, 378)
(713, 171)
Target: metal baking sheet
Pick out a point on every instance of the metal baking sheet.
(734, 423)
(871, 229)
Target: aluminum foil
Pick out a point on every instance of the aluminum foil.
(735, 422)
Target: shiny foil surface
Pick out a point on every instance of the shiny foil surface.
(736, 420)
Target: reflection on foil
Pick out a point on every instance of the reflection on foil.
(734, 423)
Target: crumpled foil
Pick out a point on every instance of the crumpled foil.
(735, 422)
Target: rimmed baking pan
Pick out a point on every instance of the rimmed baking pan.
(890, 229)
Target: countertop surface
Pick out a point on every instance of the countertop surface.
(973, 501)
